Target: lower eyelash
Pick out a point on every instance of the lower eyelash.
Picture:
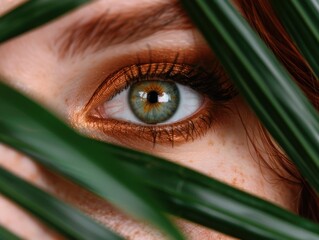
(171, 134)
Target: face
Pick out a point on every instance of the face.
(137, 74)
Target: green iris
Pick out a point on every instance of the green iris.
(154, 101)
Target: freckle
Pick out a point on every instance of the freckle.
(191, 161)
(210, 143)
(234, 181)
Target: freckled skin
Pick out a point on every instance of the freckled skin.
(223, 152)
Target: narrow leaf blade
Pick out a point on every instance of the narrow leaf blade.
(32, 130)
(6, 235)
(127, 193)
(32, 14)
(206, 201)
(301, 19)
(65, 219)
(266, 85)
(174, 184)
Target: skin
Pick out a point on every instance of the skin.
(31, 64)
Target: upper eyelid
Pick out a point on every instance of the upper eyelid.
(104, 29)
(91, 76)
(198, 79)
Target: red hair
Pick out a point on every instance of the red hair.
(262, 18)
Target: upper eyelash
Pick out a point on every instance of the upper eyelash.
(217, 88)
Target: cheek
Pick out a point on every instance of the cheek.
(221, 157)
(227, 154)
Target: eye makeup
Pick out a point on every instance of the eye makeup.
(213, 88)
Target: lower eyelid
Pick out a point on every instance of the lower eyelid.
(180, 132)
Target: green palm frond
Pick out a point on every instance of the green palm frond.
(6, 235)
(130, 176)
(185, 193)
(301, 19)
(263, 81)
(33, 14)
(65, 219)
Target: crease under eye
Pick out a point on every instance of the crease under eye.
(196, 124)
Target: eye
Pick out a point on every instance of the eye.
(163, 103)
(153, 102)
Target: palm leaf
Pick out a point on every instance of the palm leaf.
(32, 14)
(208, 202)
(265, 84)
(301, 19)
(35, 132)
(130, 195)
(6, 235)
(65, 219)
(40, 135)
(195, 200)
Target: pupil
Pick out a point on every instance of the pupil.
(152, 97)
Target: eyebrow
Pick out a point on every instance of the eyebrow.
(104, 30)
